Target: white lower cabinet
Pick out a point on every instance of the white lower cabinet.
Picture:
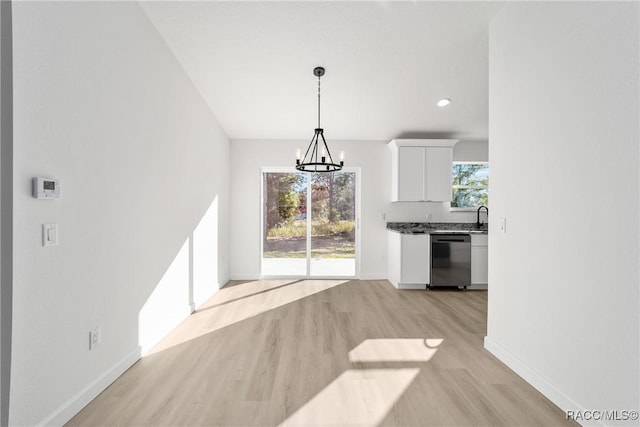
(479, 259)
(408, 259)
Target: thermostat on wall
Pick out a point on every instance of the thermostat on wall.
(46, 188)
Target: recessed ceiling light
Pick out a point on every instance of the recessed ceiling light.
(444, 102)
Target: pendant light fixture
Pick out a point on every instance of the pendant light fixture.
(318, 158)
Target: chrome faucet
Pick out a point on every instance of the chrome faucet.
(478, 223)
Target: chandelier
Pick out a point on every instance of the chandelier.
(318, 158)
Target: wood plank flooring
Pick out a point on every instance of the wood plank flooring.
(324, 353)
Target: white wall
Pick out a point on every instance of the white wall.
(563, 301)
(374, 160)
(101, 104)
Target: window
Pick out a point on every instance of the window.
(470, 185)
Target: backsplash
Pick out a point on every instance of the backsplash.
(427, 212)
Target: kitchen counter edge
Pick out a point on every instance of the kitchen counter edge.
(425, 228)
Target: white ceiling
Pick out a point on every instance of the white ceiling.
(387, 65)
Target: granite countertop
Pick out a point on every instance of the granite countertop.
(436, 227)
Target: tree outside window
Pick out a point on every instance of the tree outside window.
(470, 185)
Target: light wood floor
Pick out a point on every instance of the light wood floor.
(323, 353)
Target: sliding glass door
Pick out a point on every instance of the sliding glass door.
(309, 224)
(333, 224)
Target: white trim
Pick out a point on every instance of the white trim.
(197, 303)
(358, 218)
(539, 382)
(422, 142)
(176, 317)
(373, 276)
(419, 286)
(470, 187)
(72, 406)
(309, 217)
(223, 282)
(472, 162)
(307, 278)
(244, 277)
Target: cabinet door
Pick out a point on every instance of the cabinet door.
(394, 255)
(411, 174)
(479, 265)
(437, 176)
(415, 259)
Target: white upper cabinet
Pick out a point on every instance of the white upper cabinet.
(438, 179)
(421, 170)
(410, 170)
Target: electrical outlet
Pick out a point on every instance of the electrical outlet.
(94, 338)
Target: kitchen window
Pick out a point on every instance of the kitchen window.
(470, 185)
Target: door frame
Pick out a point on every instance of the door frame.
(358, 227)
(6, 206)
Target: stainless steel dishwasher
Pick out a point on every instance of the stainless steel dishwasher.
(450, 260)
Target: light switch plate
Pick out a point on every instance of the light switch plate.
(49, 234)
(503, 226)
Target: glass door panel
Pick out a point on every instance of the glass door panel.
(284, 224)
(333, 231)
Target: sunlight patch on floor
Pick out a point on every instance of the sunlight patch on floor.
(395, 350)
(226, 308)
(245, 289)
(356, 397)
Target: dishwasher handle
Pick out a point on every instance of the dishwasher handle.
(449, 238)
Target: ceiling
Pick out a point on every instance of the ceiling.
(387, 62)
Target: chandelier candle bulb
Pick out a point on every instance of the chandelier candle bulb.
(342, 158)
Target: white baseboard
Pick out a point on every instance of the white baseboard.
(374, 276)
(72, 406)
(540, 383)
(223, 282)
(173, 318)
(243, 277)
(412, 286)
(361, 277)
